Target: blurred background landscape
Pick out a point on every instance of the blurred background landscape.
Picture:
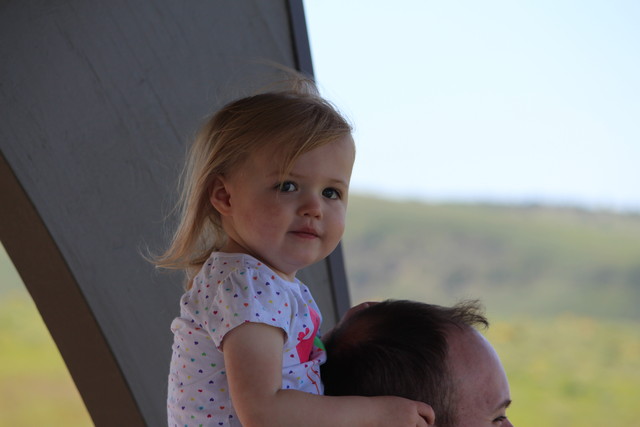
(561, 287)
(498, 150)
(500, 141)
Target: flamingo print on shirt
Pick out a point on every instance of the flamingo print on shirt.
(306, 338)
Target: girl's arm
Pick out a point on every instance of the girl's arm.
(253, 360)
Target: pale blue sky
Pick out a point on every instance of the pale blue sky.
(508, 101)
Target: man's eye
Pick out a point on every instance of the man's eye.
(331, 193)
(286, 187)
(500, 419)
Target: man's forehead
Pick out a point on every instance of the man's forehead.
(482, 390)
(465, 343)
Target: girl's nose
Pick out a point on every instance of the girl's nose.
(311, 206)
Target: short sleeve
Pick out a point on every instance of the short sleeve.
(250, 295)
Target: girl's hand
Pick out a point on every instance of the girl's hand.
(253, 359)
(401, 412)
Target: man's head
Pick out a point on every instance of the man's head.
(480, 384)
(421, 352)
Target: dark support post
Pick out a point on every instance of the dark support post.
(63, 307)
(300, 37)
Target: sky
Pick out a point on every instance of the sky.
(495, 101)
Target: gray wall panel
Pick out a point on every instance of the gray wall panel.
(97, 102)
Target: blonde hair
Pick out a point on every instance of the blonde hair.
(293, 121)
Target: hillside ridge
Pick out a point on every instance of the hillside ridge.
(516, 258)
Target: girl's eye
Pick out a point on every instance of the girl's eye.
(286, 187)
(500, 419)
(331, 193)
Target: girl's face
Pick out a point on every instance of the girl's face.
(292, 222)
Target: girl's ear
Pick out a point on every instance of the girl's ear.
(219, 196)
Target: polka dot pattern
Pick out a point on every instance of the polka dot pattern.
(232, 289)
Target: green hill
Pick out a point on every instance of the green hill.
(562, 289)
(516, 259)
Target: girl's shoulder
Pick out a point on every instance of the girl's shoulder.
(229, 261)
(233, 278)
(223, 265)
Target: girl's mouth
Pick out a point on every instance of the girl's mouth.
(306, 233)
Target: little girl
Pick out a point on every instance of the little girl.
(265, 195)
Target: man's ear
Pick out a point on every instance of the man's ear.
(219, 196)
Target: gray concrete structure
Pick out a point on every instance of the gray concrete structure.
(98, 101)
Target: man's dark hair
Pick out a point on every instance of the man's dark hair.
(398, 348)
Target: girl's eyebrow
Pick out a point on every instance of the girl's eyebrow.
(332, 180)
(340, 182)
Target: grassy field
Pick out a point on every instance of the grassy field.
(562, 290)
(561, 287)
(564, 371)
(570, 370)
(35, 386)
